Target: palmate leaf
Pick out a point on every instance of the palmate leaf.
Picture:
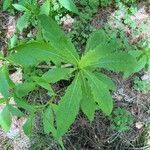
(40, 51)
(68, 107)
(5, 119)
(88, 105)
(69, 5)
(57, 39)
(100, 93)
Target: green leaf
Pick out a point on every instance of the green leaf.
(2, 100)
(68, 107)
(100, 93)
(24, 88)
(45, 8)
(69, 5)
(23, 21)
(88, 105)
(28, 126)
(48, 121)
(40, 51)
(5, 119)
(6, 4)
(44, 84)
(97, 40)
(119, 62)
(57, 74)
(20, 7)
(58, 40)
(15, 111)
(13, 41)
(4, 82)
(106, 80)
(24, 104)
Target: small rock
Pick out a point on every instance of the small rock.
(146, 76)
(139, 125)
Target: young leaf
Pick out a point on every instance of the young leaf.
(88, 105)
(20, 7)
(48, 121)
(2, 100)
(60, 42)
(4, 82)
(24, 88)
(15, 111)
(23, 21)
(5, 119)
(40, 51)
(44, 84)
(106, 80)
(96, 39)
(57, 74)
(68, 107)
(6, 4)
(24, 104)
(28, 126)
(45, 8)
(100, 93)
(69, 5)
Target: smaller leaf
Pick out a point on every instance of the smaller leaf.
(48, 121)
(45, 8)
(4, 82)
(5, 119)
(24, 88)
(44, 84)
(2, 100)
(24, 104)
(23, 21)
(28, 126)
(15, 111)
(6, 4)
(69, 5)
(106, 80)
(57, 74)
(20, 7)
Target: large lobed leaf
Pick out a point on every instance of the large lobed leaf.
(68, 107)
